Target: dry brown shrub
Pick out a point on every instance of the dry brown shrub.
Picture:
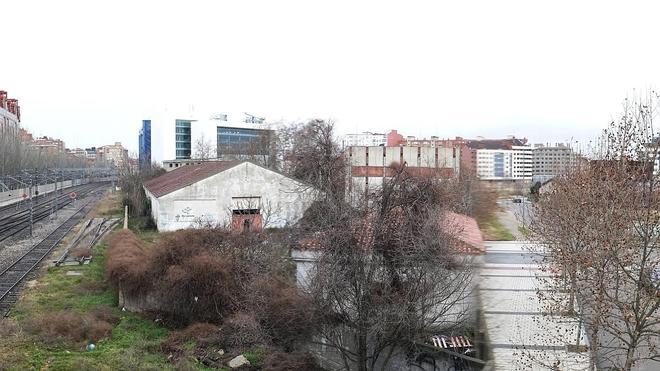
(80, 252)
(173, 248)
(211, 276)
(58, 326)
(126, 262)
(203, 334)
(98, 330)
(8, 327)
(242, 331)
(282, 310)
(280, 361)
(484, 204)
(69, 326)
(106, 314)
(198, 288)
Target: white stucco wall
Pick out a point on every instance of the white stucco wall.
(211, 199)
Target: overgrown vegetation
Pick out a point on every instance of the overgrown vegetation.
(71, 307)
(131, 183)
(57, 318)
(388, 273)
(494, 230)
(225, 291)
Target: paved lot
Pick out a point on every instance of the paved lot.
(522, 338)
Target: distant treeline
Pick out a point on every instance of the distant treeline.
(16, 155)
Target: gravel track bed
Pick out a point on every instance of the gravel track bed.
(13, 248)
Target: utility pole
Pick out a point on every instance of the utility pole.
(31, 206)
(53, 204)
(56, 195)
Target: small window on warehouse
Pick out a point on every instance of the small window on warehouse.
(246, 214)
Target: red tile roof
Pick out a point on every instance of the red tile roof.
(462, 227)
(186, 175)
(466, 230)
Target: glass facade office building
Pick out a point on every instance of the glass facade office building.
(144, 150)
(183, 139)
(236, 142)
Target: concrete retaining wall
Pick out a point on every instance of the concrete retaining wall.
(138, 303)
(16, 195)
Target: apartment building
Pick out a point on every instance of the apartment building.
(369, 166)
(10, 117)
(550, 161)
(47, 145)
(115, 154)
(502, 159)
(364, 139)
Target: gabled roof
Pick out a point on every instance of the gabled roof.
(187, 175)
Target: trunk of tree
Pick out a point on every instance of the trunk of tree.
(630, 358)
(570, 309)
(362, 351)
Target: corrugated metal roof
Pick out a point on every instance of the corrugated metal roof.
(187, 175)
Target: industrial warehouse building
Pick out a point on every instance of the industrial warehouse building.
(369, 166)
(236, 194)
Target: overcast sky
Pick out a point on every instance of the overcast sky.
(89, 73)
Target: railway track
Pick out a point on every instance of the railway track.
(13, 222)
(87, 237)
(14, 275)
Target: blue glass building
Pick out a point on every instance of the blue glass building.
(144, 151)
(236, 142)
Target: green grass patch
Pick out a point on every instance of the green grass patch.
(256, 356)
(524, 231)
(143, 228)
(494, 230)
(134, 344)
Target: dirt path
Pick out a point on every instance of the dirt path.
(513, 216)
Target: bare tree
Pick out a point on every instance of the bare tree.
(16, 156)
(131, 183)
(203, 149)
(263, 150)
(311, 154)
(388, 273)
(599, 226)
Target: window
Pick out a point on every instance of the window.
(246, 220)
(183, 139)
(243, 141)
